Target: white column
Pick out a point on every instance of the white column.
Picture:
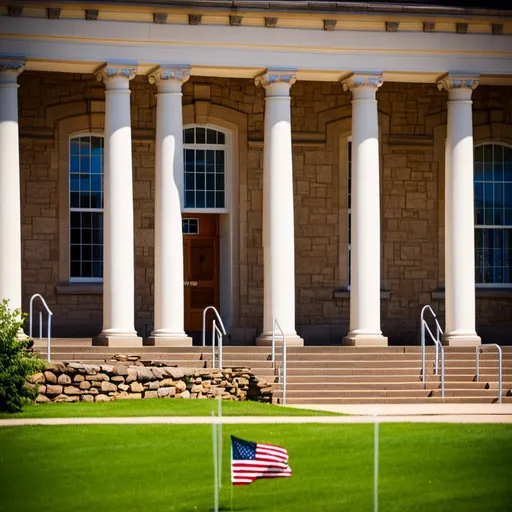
(459, 213)
(365, 214)
(169, 292)
(10, 204)
(118, 245)
(278, 219)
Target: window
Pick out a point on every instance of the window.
(86, 208)
(205, 168)
(493, 215)
(190, 226)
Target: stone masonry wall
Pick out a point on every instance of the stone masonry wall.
(412, 177)
(133, 379)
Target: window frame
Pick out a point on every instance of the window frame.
(226, 147)
(71, 136)
(482, 227)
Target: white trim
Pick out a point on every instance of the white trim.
(86, 280)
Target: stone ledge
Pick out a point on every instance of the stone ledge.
(345, 294)
(79, 289)
(491, 293)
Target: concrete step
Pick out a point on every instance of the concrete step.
(407, 356)
(379, 386)
(334, 379)
(192, 351)
(461, 393)
(364, 393)
(387, 400)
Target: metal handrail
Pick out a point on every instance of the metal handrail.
(216, 333)
(283, 373)
(204, 322)
(480, 348)
(439, 347)
(49, 325)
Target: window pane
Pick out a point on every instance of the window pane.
(74, 270)
(219, 182)
(200, 135)
(507, 195)
(188, 136)
(487, 153)
(211, 136)
(479, 154)
(200, 199)
(74, 164)
(189, 199)
(74, 147)
(479, 172)
(221, 138)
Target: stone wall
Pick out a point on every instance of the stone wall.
(77, 382)
(412, 118)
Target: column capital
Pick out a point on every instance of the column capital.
(276, 76)
(453, 81)
(116, 76)
(169, 78)
(363, 80)
(10, 69)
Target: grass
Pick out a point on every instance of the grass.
(156, 407)
(107, 468)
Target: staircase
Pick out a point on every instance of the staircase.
(333, 374)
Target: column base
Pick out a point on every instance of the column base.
(169, 341)
(364, 340)
(109, 340)
(457, 340)
(265, 340)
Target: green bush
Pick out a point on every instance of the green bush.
(17, 362)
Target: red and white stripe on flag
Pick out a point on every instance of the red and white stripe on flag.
(265, 461)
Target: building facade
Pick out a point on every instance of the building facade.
(334, 170)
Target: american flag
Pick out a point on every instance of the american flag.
(250, 461)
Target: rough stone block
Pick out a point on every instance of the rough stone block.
(53, 389)
(108, 386)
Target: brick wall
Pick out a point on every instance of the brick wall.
(412, 206)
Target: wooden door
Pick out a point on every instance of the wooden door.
(201, 265)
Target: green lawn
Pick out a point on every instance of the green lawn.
(107, 468)
(156, 407)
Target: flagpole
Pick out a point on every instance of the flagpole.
(219, 434)
(215, 465)
(231, 483)
(376, 466)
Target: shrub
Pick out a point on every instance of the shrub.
(17, 362)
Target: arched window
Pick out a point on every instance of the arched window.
(86, 208)
(493, 214)
(205, 168)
